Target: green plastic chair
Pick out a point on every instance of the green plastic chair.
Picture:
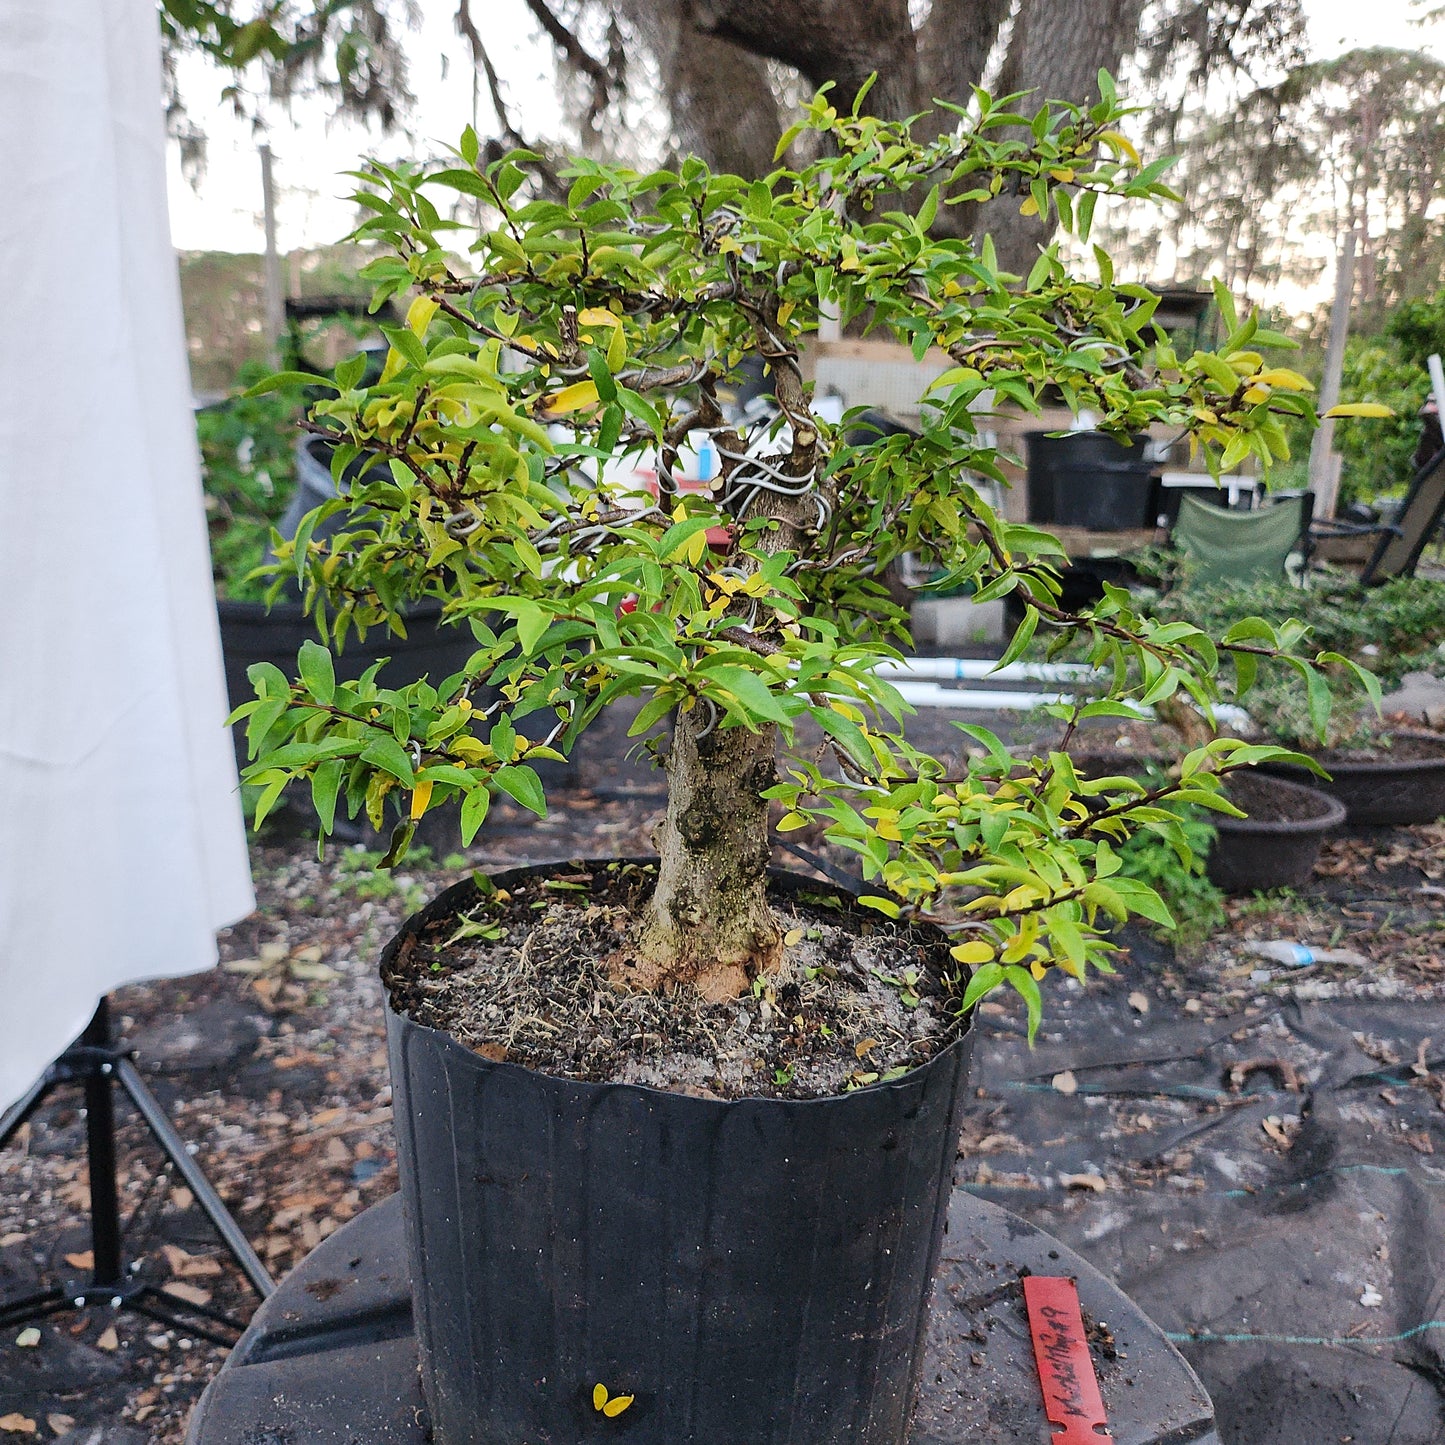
(1241, 546)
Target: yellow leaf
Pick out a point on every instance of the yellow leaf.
(17, 1424)
(616, 1405)
(785, 311)
(1038, 969)
(1122, 144)
(599, 1396)
(976, 951)
(420, 797)
(792, 936)
(597, 316)
(419, 314)
(1360, 408)
(578, 397)
(1063, 174)
(864, 1047)
(1284, 379)
(791, 821)
(1030, 207)
(1257, 394)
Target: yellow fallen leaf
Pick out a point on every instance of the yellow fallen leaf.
(1083, 1181)
(616, 1405)
(1066, 1083)
(60, 1424)
(599, 1396)
(83, 1260)
(793, 936)
(17, 1424)
(864, 1047)
(28, 1338)
(1139, 1002)
(109, 1340)
(1030, 207)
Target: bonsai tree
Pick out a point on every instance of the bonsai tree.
(555, 343)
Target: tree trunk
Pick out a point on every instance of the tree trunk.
(1057, 49)
(708, 923)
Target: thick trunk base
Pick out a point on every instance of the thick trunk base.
(708, 924)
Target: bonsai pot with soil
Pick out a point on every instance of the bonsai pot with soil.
(1278, 843)
(1399, 778)
(676, 1134)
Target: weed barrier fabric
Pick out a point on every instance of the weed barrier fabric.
(1290, 1240)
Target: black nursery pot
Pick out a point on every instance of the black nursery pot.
(1250, 854)
(1384, 790)
(752, 1272)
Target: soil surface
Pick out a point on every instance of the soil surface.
(1405, 748)
(528, 973)
(1264, 801)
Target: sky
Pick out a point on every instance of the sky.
(311, 156)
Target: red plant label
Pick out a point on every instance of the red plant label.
(1066, 1371)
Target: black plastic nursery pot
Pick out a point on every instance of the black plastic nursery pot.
(1089, 479)
(751, 1272)
(1258, 852)
(1404, 789)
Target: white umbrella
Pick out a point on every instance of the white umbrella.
(122, 847)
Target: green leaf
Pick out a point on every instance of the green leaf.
(879, 904)
(318, 671)
(985, 978)
(474, 813)
(756, 699)
(1023, 635)
(1027, 987)
(390, 757)
(524, 785)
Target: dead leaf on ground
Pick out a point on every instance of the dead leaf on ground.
(1095, 1182)
(109, 1340)
(1273, 1125)
(191, 1293)
(15, 1237)
(17, 1424)
(28, 1338)
(1065, 1082)
(1139, 1002)
(85, 1259)
(60, 1424)
(188, 1266)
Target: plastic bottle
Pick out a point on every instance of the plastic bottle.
(1301, 955)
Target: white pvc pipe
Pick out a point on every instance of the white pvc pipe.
(983, 669)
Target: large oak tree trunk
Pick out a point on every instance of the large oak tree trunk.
(709, 924)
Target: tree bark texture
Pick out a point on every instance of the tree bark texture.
(709, 924)
(1056, 51)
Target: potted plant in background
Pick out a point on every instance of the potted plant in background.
(1377, 772)
(677, 1134)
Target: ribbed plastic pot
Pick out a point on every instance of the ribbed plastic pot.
(751, 1272)
(1390, 790)
(1249, 855)
(1089, 479)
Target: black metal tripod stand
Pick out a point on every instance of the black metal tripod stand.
(98, 1065)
